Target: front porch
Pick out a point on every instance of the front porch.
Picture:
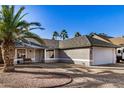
(28, 55)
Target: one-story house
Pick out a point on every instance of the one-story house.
(84, 50)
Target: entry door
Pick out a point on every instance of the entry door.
(39, 56)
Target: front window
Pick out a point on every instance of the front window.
(50, 53)
(20, 53)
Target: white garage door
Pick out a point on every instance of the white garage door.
(103, 56)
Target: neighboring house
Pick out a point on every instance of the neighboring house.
(84, 50)
(102, 37)
(120, 51)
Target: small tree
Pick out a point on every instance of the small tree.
(77, 34)
(55, 35)
(64, 34)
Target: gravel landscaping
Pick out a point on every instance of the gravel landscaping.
(58, 75)
(33, 78)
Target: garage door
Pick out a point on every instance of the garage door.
(103, 56)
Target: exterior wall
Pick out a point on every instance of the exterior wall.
(56, 52)
(84, 56)
(31, 54)
(103, 56)
(39, 55)
(76, 56)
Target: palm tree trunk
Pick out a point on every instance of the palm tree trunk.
(8, 53)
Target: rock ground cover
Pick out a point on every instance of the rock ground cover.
(48, 75)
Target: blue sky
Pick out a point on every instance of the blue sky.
(84, 19)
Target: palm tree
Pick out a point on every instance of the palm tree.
(77, 34)
(55, 35)
(64, 34)
(12, 29)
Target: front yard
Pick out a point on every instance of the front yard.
(64, 75)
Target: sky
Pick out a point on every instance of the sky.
(74, 18)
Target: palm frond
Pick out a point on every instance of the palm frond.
(37, 28)
(22, 16)
(12, 8)
(34, 24)
(17, 16)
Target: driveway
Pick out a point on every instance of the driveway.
(110, 76)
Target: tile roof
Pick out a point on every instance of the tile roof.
(51, 43)
(78, 42)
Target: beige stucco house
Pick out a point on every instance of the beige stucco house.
(85, 50)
